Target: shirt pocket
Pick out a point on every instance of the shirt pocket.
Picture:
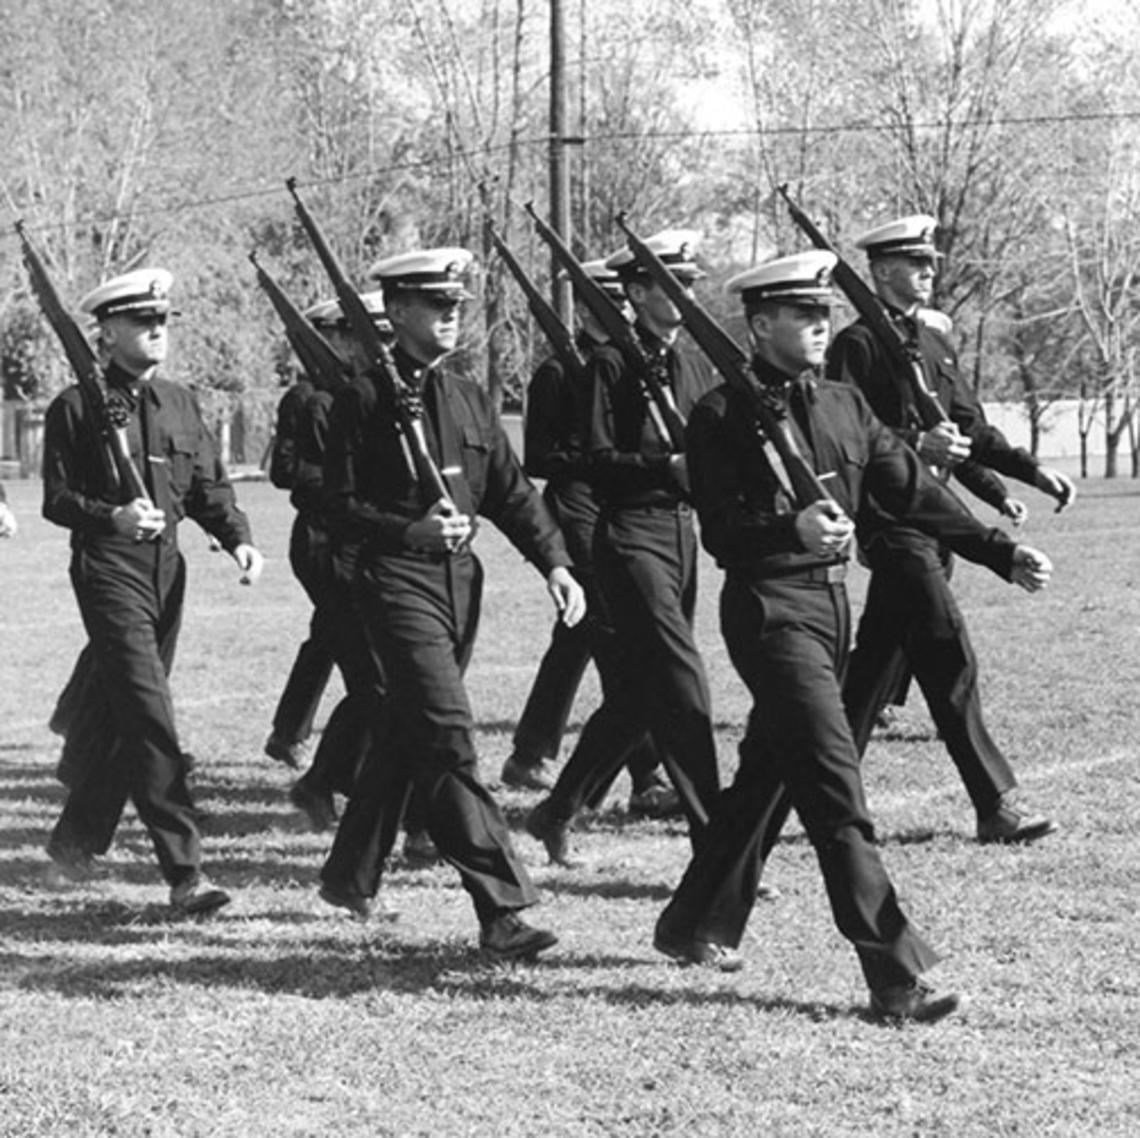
(181, 450)
(475, 452)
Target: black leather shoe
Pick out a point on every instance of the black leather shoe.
(655, 801)
(357, 904)
(506, 936)
(553, 834)
(706, 953)
(887, 718)
(1011, 824)
(912, 1003)
(69, 864)
(419, 849)
(198, 897)
(520, 774)
(284, 751)
(316, 805)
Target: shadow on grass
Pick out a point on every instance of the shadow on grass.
(575, 725)
(918, 836)
(905, 735)
(621, 888)
(333, 967)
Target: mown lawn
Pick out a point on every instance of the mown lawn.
(282, 1017)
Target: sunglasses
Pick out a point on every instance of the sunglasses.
(440, 303)
(148, 320)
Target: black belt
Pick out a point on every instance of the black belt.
(834, 574)
(681, 509)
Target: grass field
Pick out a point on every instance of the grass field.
(282, 1017)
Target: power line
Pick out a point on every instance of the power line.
(589, 140)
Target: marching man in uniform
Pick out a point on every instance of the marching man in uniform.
(419, 586)
(910, 609)
(129, 579)
(786, 623)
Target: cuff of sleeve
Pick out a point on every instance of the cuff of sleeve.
(102, 513)
(788, 535)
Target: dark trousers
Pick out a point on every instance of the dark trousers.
(788, 641)
(73, 699)
(312, 665)
(653, 679)
(542, 724)
(130, 598)
(422, 615)
(349, 733)
(82, 718)
(910, 612)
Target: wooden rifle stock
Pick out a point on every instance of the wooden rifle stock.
(667, 422)
(108, 420)
(561, 340)
(870, 307)
(408, 413)
(321, 362)
(726, 356)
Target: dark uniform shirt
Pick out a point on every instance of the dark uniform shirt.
(179, 463)
(629, 458)
(553, 450)
(856, 357)
(747, 523)
(372, 496)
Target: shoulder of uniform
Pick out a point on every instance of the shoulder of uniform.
(609, 354)
(858, 331)
(939, 339)
(835, 392)
(716, 401)
(70, 396)
(171, 388)
(834, 389)
(470, 389)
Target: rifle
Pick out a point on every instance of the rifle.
(666, 420)
(322, 364)
(541, 309)
(108, 417)
(726, 356)
(903, 355)
(409, 414)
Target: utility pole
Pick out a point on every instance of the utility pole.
(559, 166)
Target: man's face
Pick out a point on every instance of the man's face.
(654, 309)
(426, 324)
(592, 326)
(136, 341)
(792, 336)
(905, 281)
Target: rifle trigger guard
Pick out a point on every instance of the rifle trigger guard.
(410, 403)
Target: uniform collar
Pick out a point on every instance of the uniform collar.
(652, 343)
(121, 380)
(414, 371)
(779, 383)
